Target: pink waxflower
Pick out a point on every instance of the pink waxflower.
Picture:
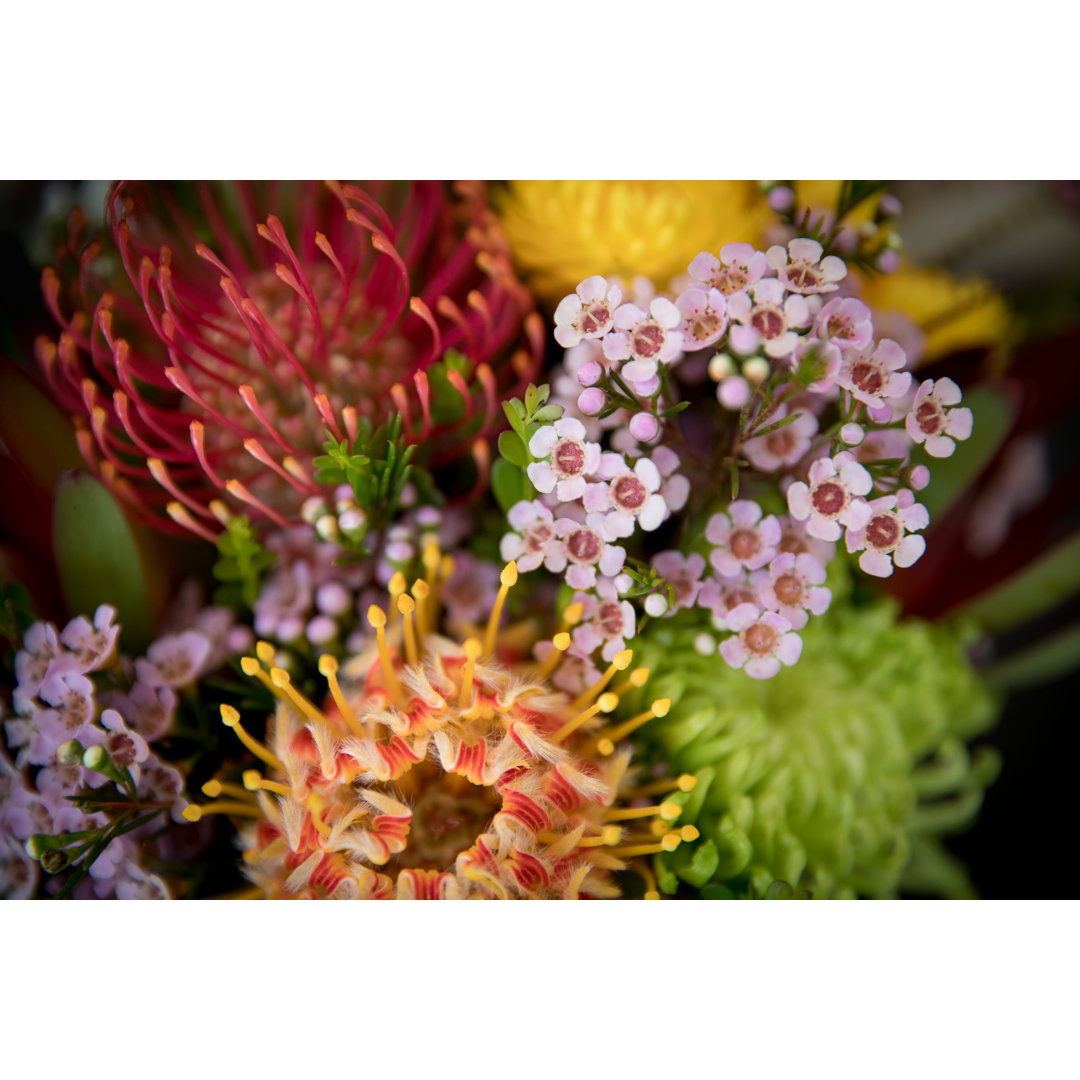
(739, 265)
(794, 586)
(723, 597)
(674, 487)
(174, 660)
(92, 644)
(704, 317)
(875, 375)
(586, 548)
(932, 420)
(826, 358)
(782, 448)
(683, 574)
(846, 322)
(629, 497)
(470, 591)
(534, 540)
(764, 315)
(575, 673)
(762, 643)
(885, 536)
(588, 312)
(606, 621)
(802, 269)
(73, 708)
(833, 497)
(645, 338)
(42, 655)
(743, 541)
(796, 540)
(567, 458)
(125, 746)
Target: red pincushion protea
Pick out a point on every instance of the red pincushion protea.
(227, 326)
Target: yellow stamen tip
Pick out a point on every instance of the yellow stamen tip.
(265, 652)
(431, 556)
(446, 567)
(572, 615)
(212, 788)
(251, 779)
(249, 665)
(669, 811)
(397, 583)
(328, 665)
(687, 782)
(473, 649)
(608, 702)
(671, 841)
(421, 589)
(612, 834)
(622, 659)
(661, 706)
(406, 604)
(191, 813)
(509, 574)
(561, 642)
(606, 747)
(376, 617)
(688, 833)
(229, 716)
(651, 894)
(638, 677)
(279, 676)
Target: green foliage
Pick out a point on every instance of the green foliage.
(376, 466)
(241, 566)
(509, 479)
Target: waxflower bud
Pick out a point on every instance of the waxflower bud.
(97, 758)
(720, 367)
(53, 861)
(591, 401)
(756, 369)
(70, 752)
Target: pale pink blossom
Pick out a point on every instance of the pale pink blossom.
(802, 269)
(93, 644)
(733, 392)
(763, 314)
(683, 574)
(782, 448)
(742, 541)
(41, 655)
(873, 376)
(794, 586)
(846, 322)
(587, 549)
(645, 338)
(832, 498)
(721, 597)
(739, 265)
(586, 313)
(575, 673)
(933, 417)
(174, 660)
(674, 487)
(827, 359)
(885, 537)
(797, 541)
(762, 643)
(534, 540)
(470, 591)
(704, 317)
(630, 496)
(606, 621)
(566, 458)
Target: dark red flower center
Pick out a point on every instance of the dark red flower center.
(788, 589)
(744, 543)
(768, 321)
(629, 492)
(828, 498)
(568, 457)
(760, 638)
(648, 341)
(584, 546)
(928, 417)
(883, 532)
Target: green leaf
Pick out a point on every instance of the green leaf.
(509, 484)
(513, 449)
(1034, 590)
(696, 863)
(548, 414)
(100, 558)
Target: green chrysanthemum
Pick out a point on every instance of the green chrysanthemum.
(839, 774)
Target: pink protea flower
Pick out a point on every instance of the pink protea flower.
(588, 312)
(832, 498)
(645, 338)
(226, 327)
(782, 448)
(794, 586)
(846, 322)
(739, 265)
(567, 458)
(763, 314)
(873, 376)
(802, 269)
(762, 642)
(704, 317)
(885, 536)
(932, 420)
(743, 541)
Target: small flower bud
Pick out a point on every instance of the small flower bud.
(327, 527)
(655, 605)
(70, 752)
(313, 509)
(644, 426)
(888, 262)
(38, 845)
(97, 758)
(868, 230)
(781, 199)
(590, 373)
(756, 369)
(704, 644)
(852, 434)
(353, 523)
(919, 477)
(894, 241)
(890, 206)
(734, 392)
(321, 629)
(591, 401)
(53, 861)
(720, 367)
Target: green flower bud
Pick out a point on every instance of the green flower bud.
(98, 759)
(70, 752)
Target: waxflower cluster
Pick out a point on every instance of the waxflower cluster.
(815, 412)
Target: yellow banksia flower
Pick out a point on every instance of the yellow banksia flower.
(438, 769)
(563, 231)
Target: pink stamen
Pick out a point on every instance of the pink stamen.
(418, 307)
(322, 403)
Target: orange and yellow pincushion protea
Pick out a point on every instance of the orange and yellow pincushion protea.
(445, 770)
